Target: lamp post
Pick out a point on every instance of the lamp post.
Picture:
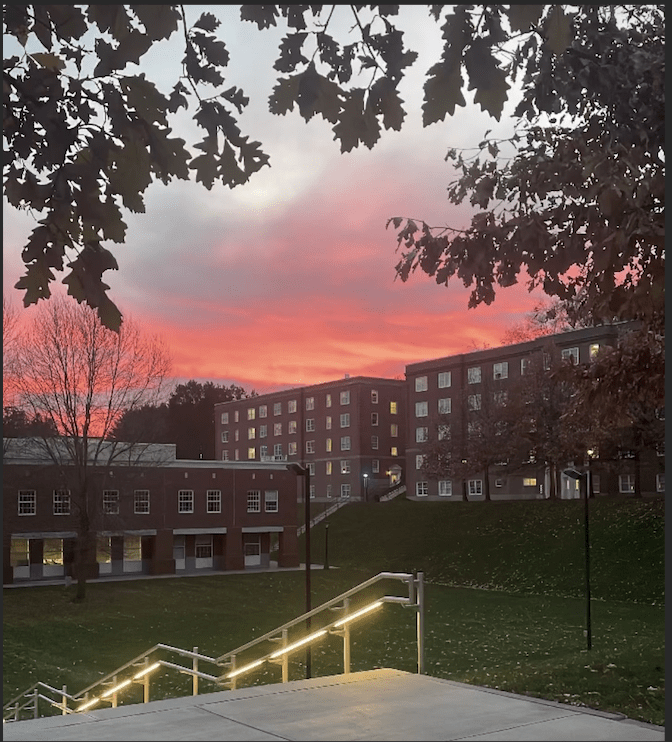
(304, 471)
(584, 484)
(366, 487)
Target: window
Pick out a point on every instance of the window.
(445, 406)
(345, 397)
(374, 419)
(310, 403)
(61, 502)
(271, 501)
(394, 430)
(52, 553)
(312, 492)
(293, 448)
(374, 442)
(474, 401)
(500, 398)
(277, 428)
(329, 490)
(277, 408)
(445, 488)
(291, 405)
(213, 501)
(475, 486)
(225, 436)
(499, 482)
(473, 429)
(251, 413)
(254, 501)
(328, 422)
(474, 375)
(236, 454)
(263, 431)
(141, 502)
(660, 482)
(345, 420)
(310, 446)
(263, 410)
(251, 433)
(203, 546)
(345, 466)
(263, 452)
(20, 553)
(421, 409)
(310, 424)
(500, 370)
(110, 502)
(225, 418)
(547, 361)
(329, 467)
(225, 455)
(251, 452)
(235, 416)
(444, 379)
(626, 483)
(525, 366)
(444, 432)
(421, 489)
(529, 481)
(277, 449)
(345, 490)
(393, 408)
(375, 466)
(374, 396)
(419, 461)
(345, 443)
(421, 435)
(327, 400)
(394, 451)
(593, 350)
(311, 468)
(235, 435)
(420, 383)
(291, 426)
(27, 502)
(185, 501)
(571, 354)
(328, 445)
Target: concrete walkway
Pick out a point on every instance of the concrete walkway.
(374, 705)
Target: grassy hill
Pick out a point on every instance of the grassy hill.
(532, 547)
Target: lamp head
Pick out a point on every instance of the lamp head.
(573, 473)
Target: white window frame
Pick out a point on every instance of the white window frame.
(444, 379)
(345, 466)
(291, 405)
(251, 413)
(345, 420)
(251, 452)
(277, 408)
(419, 461)
(345, 443)
(374, 442)
(500, 370)
(111, 502)
(263, 410)
(525, 366)
(328, 467)
(329, 491)
(225, 436)
(310, 446)
(254, 501)
(474, 402)
(61, 502)
(375, 466)
(141, 502)
(185, 501)
(421, 489)
(310, 424)
(421, 409)
(346, 489)
(292, 427)
(374, 419)
(394, 430)
(293, 448)
(224, 418)
(225, 455)
(421, 384)
(213, 501)
(277, 449)
(263, 431)
(626, 484)
(443, 432)
(235, 416)
(474, 375)
(277, 428)
(327, 400)
(475, 487)
(271, 501)
(263, 452)
(203, 546)
(445, 488)
(374, 396)
(565, 353)
(345, 397)
(445, 405)
(251, 434)
(27, 502)
(327, 445)
(421, 434)
(660, 482)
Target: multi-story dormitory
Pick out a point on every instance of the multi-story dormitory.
(150, 514)
(360, 436)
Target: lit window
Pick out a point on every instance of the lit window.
(251, 433)
(529, 481)
(445, 488)
(593, 350)
(374, 396)
(291, 426)
(27, 502)
(251, 452)
(293, 448)
(277, 428)
(345, 490)
(271, 501)
(329, 467)
(626, 484)
(254, 501)
(475, 486)
(345, 397)
(474, 401)
(374, 442)
(374, 419)
(263, 410)
(421, 409)
(61, 502)
(310, 424)
(327, 400)
(421, 384)
(394, 430)
(394, 451)
(291, 405)
(445, 406)
(444, 432)
(213, 501)
(52, 551)
(421, 435)
(111, 502)
(225, 418)
(20, 553)
(419, 461)
(422, 489)
(444, 379)
(500, 370)
(345, 466)
(345, 443)
(277, 408)
(310, 446)
(185, 501)
(251, 413)
(310, 403)
(375, 466)
(345, 420)
(328, 445)
(141, 502)
(328, 422)
(393, 408)
(474, 375)
(571, 354)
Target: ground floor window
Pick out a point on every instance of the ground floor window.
(626, 483)
(475, 486)
(104, 550)
(421, 489)
(445, 487)
(52, 551)
(204, 547)
(20, 555)
(345, 490)
(660, 482)
(132, 549)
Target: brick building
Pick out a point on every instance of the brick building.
(158, 515)
(349, 433)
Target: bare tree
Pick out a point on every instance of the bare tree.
(83, 377)
(10, 322)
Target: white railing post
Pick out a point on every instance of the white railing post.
(346, 639)
(285, 658)
(36, 698)
(114, 695)
(194, 667)
(233, 667)
(145, 683)
(65, 700)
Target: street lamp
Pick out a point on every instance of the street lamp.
(304, 471)
(584, 484)
(366, 488)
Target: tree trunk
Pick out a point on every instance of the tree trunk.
(486, 483)
(638, 476)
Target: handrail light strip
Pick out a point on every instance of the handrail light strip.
(116, 688)
(359, 613)
(146, 670)
(301, 642)
(241, 670)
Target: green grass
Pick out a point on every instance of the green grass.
(524, 634)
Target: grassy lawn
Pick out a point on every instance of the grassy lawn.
(523, 634)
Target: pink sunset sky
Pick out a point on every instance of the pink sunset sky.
(290, 279)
